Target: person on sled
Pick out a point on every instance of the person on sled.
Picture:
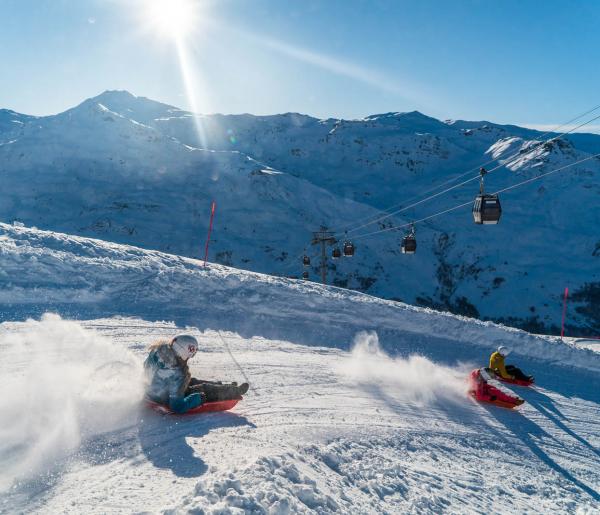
(509, 372)
(170, 383)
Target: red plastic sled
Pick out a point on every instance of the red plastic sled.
(484, 388)
(519, 382)
(205, 408)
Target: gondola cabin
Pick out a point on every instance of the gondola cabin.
(409, 245)
(486, 209)
(336, 253)
(306, 260)
(305, 275)
(348, 249)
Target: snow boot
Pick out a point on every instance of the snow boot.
(243, 388)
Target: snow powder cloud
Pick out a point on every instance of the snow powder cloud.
(415, 379)
(65, 384)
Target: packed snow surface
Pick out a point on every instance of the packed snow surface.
(358, 405)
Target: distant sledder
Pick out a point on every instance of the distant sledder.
(484, 387)
(508, 373)
(484, 383)
(172, 389)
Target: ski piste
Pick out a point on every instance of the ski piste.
(345, 419)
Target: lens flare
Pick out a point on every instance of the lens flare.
(180, 23)
(191, 90)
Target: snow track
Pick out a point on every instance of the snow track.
(340, 420)
(312, 440)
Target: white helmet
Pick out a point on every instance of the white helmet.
(503, 351)
(185, 346)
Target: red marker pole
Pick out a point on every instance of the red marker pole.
(562, 331)
(212, 217)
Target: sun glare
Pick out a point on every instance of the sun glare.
(172, 18)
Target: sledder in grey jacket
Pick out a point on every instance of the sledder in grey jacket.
(168, 375)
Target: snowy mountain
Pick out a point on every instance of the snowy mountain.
(11, 124)
(358, 403)
(128, 169)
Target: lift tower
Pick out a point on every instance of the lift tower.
(323, 238)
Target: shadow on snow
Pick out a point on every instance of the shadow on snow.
(529, 433)
(163, 439)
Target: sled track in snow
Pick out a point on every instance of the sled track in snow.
(315, 441)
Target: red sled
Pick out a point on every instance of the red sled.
(520, 382)
(484, 388)
(207, 407)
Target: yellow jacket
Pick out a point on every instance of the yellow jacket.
(497, 365)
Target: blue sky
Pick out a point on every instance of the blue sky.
(525, 62)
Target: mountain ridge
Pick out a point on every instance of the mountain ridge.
(128, 169)
(119, 96)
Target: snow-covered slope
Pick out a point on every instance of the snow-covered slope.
(92, 171)
(50, 271)
(358, 404)
(118, 167)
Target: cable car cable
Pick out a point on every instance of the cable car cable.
(470, 202)
(449, 181)
(508, 161)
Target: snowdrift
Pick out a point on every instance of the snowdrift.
(44, 270)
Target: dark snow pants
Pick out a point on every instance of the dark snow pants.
(214, 391)
(517, 373)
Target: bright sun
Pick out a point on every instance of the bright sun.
(172, 18)
(179, 20)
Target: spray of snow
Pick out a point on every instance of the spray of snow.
(61, 385)
(416, 379)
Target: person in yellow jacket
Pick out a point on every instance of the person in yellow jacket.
(497, 362)
(506, 371)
